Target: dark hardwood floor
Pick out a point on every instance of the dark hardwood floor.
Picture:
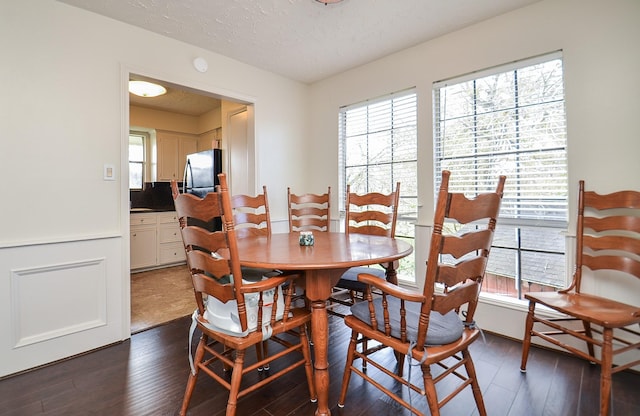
(146, 375)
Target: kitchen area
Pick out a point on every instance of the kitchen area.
(164, 131)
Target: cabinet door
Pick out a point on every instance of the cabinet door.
(143, 245)
(169, 253)
(168, 167)
(169, 233)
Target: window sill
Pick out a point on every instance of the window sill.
(518, 305)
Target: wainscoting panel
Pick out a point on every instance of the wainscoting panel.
(40, 311)
(60, 299)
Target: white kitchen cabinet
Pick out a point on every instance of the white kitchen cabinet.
(155, 240)
(170, 247)
(172, 154)
(143, 240)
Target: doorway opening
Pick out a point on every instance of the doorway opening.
(184, 120)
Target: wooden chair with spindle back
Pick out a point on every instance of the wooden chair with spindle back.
(373, 213)
(607, 254)
(309, 212)
(213, 261)
(251, 214)
(435, 326)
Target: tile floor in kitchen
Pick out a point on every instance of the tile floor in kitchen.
(160, 296)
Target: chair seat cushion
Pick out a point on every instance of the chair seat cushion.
(349, 279)
(443, 329)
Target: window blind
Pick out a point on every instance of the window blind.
(508, 121)
(378, 146)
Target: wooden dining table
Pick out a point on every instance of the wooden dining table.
(323, 263)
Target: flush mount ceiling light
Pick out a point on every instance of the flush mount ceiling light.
(325, 2)
(146, 89)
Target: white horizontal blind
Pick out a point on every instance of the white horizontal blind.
(378, 147)
(507, 122)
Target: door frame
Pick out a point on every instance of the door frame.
(180, 82)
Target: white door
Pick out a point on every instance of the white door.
(240, 171)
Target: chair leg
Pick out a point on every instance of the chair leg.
(605, 370)
(259, 353)
(347, 368)
(225, 367)
(191, 382)
(430, 390)
(400, 361)
(475, 387)
(236, 379)
(306, 352)
(365, 346)
(587, 332)
(526, 341)
(265, 354)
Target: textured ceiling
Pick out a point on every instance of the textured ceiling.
(301, 39)
(176, 100)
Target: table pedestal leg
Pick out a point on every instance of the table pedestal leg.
(320, 329)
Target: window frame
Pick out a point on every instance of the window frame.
(407, 213)
(516, 218)
(143, 162)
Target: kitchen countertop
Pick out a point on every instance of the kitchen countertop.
(147, 210)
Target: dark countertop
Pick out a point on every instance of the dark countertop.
(147, 210)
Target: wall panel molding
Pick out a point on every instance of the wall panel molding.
(56, 300)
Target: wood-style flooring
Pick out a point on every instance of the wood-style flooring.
(146, 375)
(159, 296)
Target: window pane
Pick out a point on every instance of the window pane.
(357, 154)
(136, 148)
(135, 175)
(380, 148)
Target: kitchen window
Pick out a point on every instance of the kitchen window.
(377, 148)
(511, 121)
(136, 159)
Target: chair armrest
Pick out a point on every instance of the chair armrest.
(390, 288)
(265, 284)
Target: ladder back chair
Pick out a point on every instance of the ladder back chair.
(607, 255)
(251, 214)
(372, 213)
(309, 212)
(234, 314)
(436, 326)
(252, 217)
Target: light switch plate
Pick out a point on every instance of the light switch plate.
(109, 172)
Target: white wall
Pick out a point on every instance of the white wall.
(601, 68)
(63, 115)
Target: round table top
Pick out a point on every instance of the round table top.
(330, 250)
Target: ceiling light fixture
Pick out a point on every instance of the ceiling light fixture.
(328, 1)
(146, 89)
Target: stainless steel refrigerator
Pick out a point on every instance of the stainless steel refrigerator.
(201, 177)
(201, 172)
